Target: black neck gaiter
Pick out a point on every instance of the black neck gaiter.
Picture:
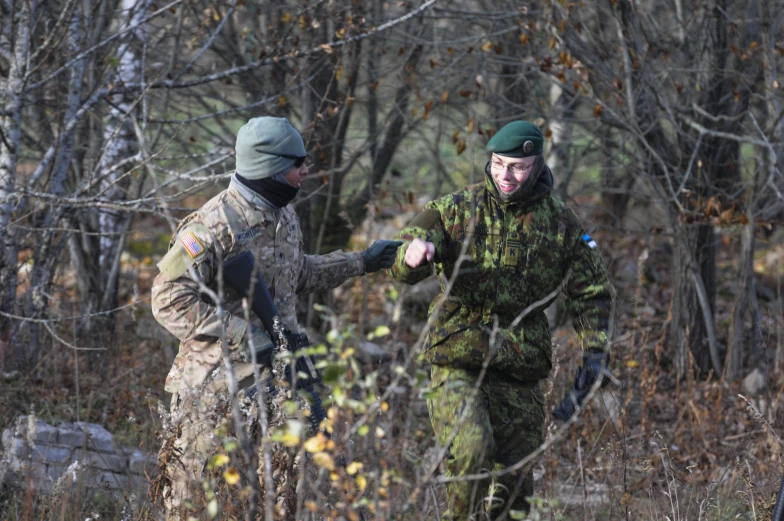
(278, 193)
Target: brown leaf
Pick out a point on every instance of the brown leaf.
(523, 39)
(455, 136)
(726, 217)
(597, 111)
(548, 134)
(410, 197)
(470, 126)
(444, 96)
(464, 93)
(450, 51)
(461, 146)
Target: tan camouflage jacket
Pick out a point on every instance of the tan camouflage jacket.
(234, 221)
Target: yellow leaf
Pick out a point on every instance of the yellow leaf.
(382, 491)
(523, 39)
(316, 444)
(384, 406)
(380, 432)
(334, 476)
(381, 331)
(289, 439)
(311, 505)
(339, 73)
(218, 461)
(231, 476)
(487, 46)
(282, 100)
(353, 468)
(631, 364)
(323, 460)
(286, 18)
(361, 483)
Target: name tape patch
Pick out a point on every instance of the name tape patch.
(591, 243)
(247, 234)
(192, 245)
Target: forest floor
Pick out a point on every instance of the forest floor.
(656, 447)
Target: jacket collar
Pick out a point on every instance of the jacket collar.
(250, 196)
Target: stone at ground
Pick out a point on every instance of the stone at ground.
(754, 382)
(38, 455)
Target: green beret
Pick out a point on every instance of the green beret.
(517, 139)
(267, 146)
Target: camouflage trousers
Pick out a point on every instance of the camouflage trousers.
(500, 426)
(195, 416)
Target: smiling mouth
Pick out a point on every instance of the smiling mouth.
(507, 187)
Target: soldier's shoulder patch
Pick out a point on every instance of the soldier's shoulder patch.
(589, 241)
(186, 251)
(426, 219)
(191, 244)
(176, 262)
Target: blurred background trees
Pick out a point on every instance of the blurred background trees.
(114, 114)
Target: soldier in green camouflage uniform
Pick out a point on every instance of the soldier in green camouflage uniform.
(251, 215)
(510, 245)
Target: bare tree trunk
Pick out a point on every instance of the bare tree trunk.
(119, 137)
(746, 286)
(10, 141)
(562, 126)
(46, 256)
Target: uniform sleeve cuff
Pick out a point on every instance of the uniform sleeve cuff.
(355, 264)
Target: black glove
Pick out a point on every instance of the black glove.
(594, 367)
(380, 255)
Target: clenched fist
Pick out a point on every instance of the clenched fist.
(419, 252)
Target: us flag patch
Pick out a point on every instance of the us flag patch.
(192, 245)
(591, 242)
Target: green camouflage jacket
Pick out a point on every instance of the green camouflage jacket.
(516, 255)
(234, 221)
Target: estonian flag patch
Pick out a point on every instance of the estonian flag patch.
(591, 243)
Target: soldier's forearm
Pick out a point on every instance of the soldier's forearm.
(323, 272)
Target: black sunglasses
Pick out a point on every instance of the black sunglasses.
(298, 160)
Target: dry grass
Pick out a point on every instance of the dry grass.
(656, 448)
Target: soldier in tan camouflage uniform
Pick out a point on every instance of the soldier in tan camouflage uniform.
(510, 246)
(252, 214)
